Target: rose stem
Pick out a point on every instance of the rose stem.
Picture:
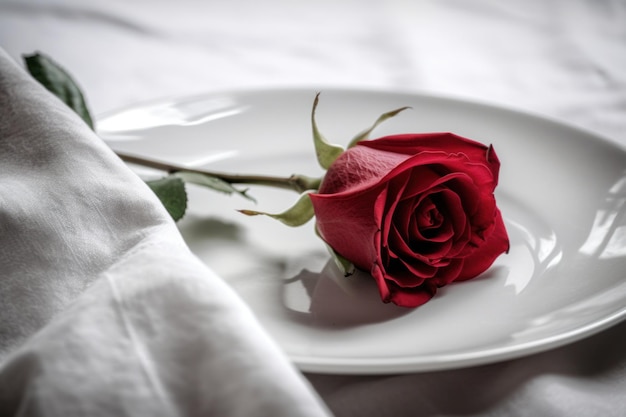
(298, 183)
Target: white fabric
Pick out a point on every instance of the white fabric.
(564, 59)
(105, 311)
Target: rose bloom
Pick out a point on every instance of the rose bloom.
(417, 211)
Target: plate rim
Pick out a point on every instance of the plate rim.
(410, 364)
(492, 105)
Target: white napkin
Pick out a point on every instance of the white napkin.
(104, 310)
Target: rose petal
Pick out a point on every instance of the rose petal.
(347, 223)
(359, 168)
(483, 257)
(398, 272)
(422, 179)
(449, 273)
(385, 206)
(457, 219)
(396, 266)
(412, 144)
(421, 220)
(411, 297)
(415, 253)
(418, 184)
(381, 282)
(428, 217)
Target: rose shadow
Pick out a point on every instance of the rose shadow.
(329, 300)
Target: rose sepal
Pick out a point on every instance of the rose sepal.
(346, 267)
(325, 151)
(297, 215)
(364, 135)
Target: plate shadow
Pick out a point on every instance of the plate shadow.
(328, 299)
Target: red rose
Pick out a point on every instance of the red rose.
(417, 211)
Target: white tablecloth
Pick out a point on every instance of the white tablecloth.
(562, 59)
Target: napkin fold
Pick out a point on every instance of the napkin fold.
(104, 310)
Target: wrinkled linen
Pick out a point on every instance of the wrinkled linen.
(105, 312)
(563, 59)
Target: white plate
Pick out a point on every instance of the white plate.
(562, 192)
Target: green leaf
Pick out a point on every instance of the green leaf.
(297, 215)
(213, 183)
(365, 134)
(346, 267)
(171, 192)
(58, 81)
(325, 151)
